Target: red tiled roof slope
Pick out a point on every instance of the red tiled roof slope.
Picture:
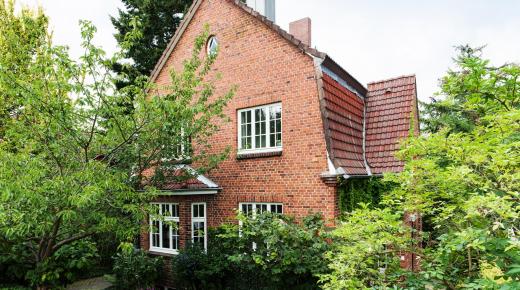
(344, 118)
(390, 106)
(180, 178)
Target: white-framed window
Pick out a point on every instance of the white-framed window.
(164, 232)
(212, 46)
(184, 146)
(260, 129)
(199, 224)
(251, 209)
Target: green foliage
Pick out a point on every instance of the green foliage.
(156, 22)
(354, 192)
(268, 251)
(470, 93)
(72, 160)
(466, 181)
(195, 268)
(22, 35)
(134, 269)
(365, 250)
(463, 178)
(68, 263)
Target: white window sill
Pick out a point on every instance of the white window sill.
(163, 252)
(264, 153)
(255, 151)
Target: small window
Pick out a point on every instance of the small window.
(260, 129)
(250, 209)
(212, 48)
(198, 224)
(164, 232)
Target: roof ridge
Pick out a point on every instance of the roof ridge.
(392, 79)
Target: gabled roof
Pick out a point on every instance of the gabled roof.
(362, 126)
(391, 105)
(284, 34)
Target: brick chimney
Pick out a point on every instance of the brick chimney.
(301, 29)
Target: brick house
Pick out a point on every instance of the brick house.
(299, 123)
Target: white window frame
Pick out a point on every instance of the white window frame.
(212, 39)
(197, 220)
(267, 149)
(161, 249)
(255, 206)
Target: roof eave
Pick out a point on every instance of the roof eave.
(340, 71)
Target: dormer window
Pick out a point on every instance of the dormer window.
(212, 48)
(260, 129)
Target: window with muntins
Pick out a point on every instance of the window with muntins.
(260, 129)
(198, 224)
(250, 209)
(164, 232)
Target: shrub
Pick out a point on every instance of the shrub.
(65, 266)
(266, 252)
(134, 269)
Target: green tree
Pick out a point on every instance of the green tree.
(156, 21)
(464, 180)
(66, 171)
(27, 32)
(366, 249)
(463, 101)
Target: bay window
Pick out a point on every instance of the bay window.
(198, 224)
(164, 228)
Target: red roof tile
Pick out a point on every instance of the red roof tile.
(182, 177)
(344, 112)
(390, 106)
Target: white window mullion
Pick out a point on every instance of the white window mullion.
(268, 128)
(240, 135)
(253, 129)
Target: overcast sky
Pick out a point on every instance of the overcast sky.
(372, 39)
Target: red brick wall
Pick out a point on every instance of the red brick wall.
(266, 69)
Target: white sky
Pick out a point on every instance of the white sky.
(372, 39)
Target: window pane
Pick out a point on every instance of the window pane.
(165, 236)
(263, 208)
(175, 210)
(275, 126)
(247, 209)
(195, 210)
(201, 210)
(165, 211)
(175, 237)
(261, 128)
(246, 137)
(155, 234)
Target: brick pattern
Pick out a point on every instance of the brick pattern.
(390, 106)
(267, 69)
(268, 65)
(344, 113)
(302, 30)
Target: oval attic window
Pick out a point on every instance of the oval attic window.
(212, 45)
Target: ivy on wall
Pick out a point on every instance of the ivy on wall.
(353, 192)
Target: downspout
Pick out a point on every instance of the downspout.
(369, 172)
